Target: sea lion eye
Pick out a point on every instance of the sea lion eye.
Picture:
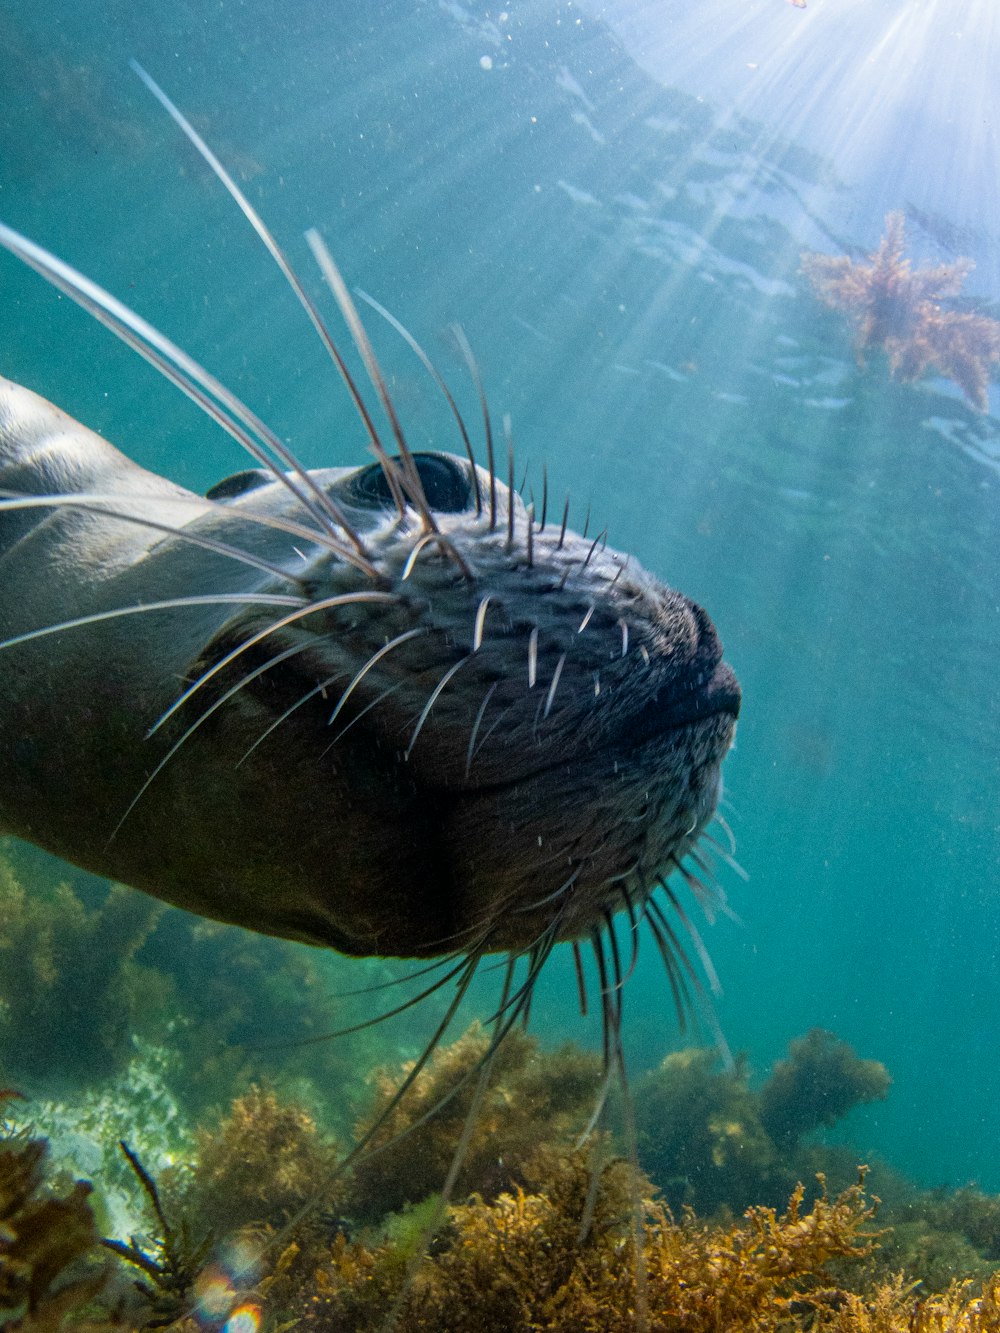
(445, 482)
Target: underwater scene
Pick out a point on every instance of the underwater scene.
(726, 275)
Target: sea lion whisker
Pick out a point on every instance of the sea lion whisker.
(586, 524)
(439, 380)
(601, 536)
(465, 972)
(709, 895)
(618, 573)
(410, 477)
(314, 536)
(730, 835)
(678, 985)
(480, 622)
(586, 619)
(311, 608)
(511, 511)
(98, 504)
(434, 696)
(555, 684)
(470, 751)
(623, 625)
(290, 276)
(704, 1000)
(496, 721)
(555, 895)
(531, 534)
(612, 934)
(606, 995)
(458, 333)
(695, 935)
(581, 984)
(375, 657)
(562, 532)
(398, 981)
(169, 604)
(379, 698)
(533, 658)
(444, 1197)
(634, 923)
(447, 546)
(233, 690)
(318, 689)
(545, 497)
(460, 968)
(727, 857)
(238, 420)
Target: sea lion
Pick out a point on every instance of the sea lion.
(445, 754)
(390, 709)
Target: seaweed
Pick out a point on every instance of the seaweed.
(69, 983)
(708, 1139)
(171, 1261)
(48, 1242)
(519, 1264)
(897, 308)
(532, 1099)
(818, 1084)
(261, 1166)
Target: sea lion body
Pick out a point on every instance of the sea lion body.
(504, 731)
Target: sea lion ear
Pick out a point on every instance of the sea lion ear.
(238, 484)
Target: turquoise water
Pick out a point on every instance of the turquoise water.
(616, 217)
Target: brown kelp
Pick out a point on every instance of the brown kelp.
(897, 308)
(708, 1138)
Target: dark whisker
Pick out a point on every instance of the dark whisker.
(692, 930)
(545, 497)
(410, 477)
(531, 535)
(397, 981)
(562, 529)
(616, 962)
(510, 480)
(594, 545)
(634, 930)
(435, 695)
(678, 986)
(476, 725)
(375, 657)
(586, 524)
(290, 276)
(581, 984)
(438, 379)
(458, 333)
(550, 697)
(597, 944)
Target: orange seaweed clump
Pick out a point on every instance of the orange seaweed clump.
(520, 1264)
(896, 308)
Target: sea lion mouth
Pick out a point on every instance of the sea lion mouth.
(670, 709)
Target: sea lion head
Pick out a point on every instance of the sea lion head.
(532, 724)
